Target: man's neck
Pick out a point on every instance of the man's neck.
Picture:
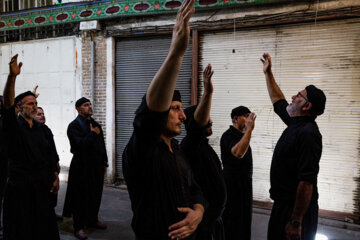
(86, 117)
(242, 130)
(28, 120)
(167, 140)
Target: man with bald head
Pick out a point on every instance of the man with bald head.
(295, 162)
(28, 211)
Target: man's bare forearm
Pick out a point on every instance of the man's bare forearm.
(9, 92)
(240, 148)
(161, 88)
(274, 90)
(202, 112)
(303, 198)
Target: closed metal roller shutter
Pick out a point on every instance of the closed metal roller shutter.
(137, 61)
(327, 55)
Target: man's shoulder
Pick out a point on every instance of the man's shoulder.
(43, 126)
(74, 124)
(225, 134)
(231, 132)
(227, 131)
(311, 130)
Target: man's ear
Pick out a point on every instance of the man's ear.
(18, 107)
(307, 106)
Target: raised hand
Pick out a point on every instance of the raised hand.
(208, 72)
(15, 68)
(250, 122)
(181, 31)
(266, 60)
(34, 91)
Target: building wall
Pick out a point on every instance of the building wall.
(262, 17)
(103, 86)
(55, 66)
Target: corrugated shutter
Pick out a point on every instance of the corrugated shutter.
(137, 61)
(327, 55)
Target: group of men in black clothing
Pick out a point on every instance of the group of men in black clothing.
(180, 191)
(177, 191)
(30, 167)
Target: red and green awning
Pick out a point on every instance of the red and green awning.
(105, 9)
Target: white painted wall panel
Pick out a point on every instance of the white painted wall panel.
(51, 64)
(327, 55)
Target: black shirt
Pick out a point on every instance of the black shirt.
(240, 166)
(207, 169)
(296, 155)
(158, 180)
(29, 149)
(87, 146)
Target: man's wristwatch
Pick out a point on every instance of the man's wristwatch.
(295, 224)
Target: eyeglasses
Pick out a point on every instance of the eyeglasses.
(300, 95)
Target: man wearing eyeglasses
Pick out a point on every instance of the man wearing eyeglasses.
(295, 162)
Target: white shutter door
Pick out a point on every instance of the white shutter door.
(327, 55)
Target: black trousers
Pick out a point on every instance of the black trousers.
(280, 216)
(28, 212)
(237, 215)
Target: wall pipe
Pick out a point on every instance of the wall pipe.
(92, 61)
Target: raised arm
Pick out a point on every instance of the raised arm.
(161, 88)
(239, 149)
(202, 112)
(9, 91)
(275, 92)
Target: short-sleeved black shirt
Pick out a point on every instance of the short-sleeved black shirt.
(242, 167)
(159, 181)
(296, 156)
(207, 169)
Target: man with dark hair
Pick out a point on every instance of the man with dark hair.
(166, 202)
(237, 159)
(28, 212)
(87, 169)
(205, 163)
(295, 163)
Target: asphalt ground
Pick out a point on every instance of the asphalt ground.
(116, 212)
